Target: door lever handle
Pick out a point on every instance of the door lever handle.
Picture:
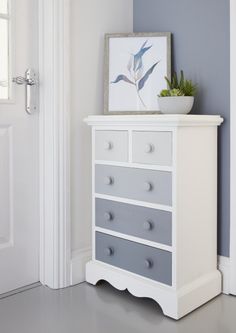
(31, 82)
(21, 80)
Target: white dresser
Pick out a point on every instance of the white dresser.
(154, 203)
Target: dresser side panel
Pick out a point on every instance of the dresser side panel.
(195, 203)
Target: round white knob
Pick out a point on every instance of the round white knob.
(148, 263)
(147, 186)
(108, 145)
(149, 148)
(109, 251)
(108, 216)
(147, 225)
(108, 180)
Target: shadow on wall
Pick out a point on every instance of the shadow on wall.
(201, 47)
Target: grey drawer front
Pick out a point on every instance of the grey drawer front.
(152, 147)
(133, 183)
(147, 261)
(111, 145)
(146, 223)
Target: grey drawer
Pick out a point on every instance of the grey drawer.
(146, 223)
(111, 145)
(147, 261)
(138, 184)
(152, 148)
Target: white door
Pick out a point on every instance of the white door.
(19, 197)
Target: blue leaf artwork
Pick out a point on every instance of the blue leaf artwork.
(146, 76)
(135, 67)
(122, 78)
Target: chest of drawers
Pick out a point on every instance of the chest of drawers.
(154, 203)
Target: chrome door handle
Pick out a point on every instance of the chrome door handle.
(21, 80)
(31, 83)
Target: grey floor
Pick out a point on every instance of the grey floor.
(102, 309)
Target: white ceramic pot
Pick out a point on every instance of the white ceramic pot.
(176, 104)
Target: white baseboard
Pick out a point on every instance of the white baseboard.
(78, 262)
(224, 267)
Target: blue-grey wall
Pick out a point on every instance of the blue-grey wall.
(201, 47)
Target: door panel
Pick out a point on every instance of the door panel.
(5, 188)
(19, 197)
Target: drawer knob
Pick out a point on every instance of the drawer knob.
(108, 216)
(148, 225)
(108, 145)
(108, 181)
(148, 263)
(147, 186)
(149, 148)
(109, 251)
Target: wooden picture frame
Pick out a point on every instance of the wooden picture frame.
(134, 71)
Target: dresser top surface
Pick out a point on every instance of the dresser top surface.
(154, 120)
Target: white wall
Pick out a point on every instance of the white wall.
(90, 19)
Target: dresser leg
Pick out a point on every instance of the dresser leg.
(174, 304)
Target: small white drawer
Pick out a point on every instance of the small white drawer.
(111, 146)
(152, 148)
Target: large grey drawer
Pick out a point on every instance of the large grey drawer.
(138, 184)
(146, 223)
(147, 261)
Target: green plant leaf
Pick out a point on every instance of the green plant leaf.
(164, 93)
(168, 82)
(180, 87)
(175, 82)
(176, 92)
(181, 82)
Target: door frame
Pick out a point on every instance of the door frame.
(54, 138)
(232, 273)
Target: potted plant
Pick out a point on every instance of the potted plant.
(179, 97)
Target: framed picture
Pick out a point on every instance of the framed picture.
(135, 69)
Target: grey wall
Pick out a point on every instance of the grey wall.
(201, 47)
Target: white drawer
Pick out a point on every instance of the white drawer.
(111, 146)
(152, 148)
